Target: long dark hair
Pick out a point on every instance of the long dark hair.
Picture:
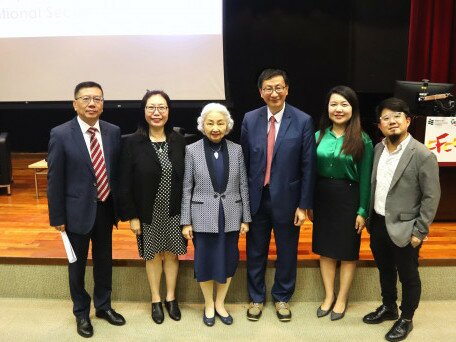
(143, 126)
(353, 142)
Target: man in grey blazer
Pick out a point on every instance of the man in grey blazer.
(405, 194)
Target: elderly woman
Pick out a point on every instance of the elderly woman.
(342, 192)
(215, 208)
(152, 171)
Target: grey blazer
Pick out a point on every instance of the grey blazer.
(200, 202)
(414, 194)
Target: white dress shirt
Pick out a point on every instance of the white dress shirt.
(278, 119)
(387, 165)
(85, 133)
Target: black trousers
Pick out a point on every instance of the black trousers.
(101, 237)
(392, 260)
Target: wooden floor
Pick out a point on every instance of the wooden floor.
(25, 234)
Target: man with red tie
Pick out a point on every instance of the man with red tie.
(82, 175)
(279, 150)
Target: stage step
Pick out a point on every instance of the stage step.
(130, 283)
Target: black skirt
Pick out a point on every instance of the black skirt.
(335, 209)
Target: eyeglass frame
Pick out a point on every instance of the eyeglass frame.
(279, 89)
(96, 99)
(396, 115)
(160, 109)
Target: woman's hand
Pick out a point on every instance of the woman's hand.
(360, 223)
(187, 232)
(135, 226)
(244, 228)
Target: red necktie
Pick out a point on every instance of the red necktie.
(271, 141)
(99, 166)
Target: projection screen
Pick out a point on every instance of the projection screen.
(49, 46)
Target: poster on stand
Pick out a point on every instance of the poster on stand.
(440, 138)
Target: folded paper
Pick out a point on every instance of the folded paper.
(68, 248)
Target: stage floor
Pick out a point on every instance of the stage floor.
(26, 237)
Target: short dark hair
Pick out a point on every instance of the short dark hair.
(143, 126)
(87, 84)
(392, 103)
(270, 73)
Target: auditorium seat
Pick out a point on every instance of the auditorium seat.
(6, 175)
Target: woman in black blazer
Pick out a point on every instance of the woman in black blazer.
(150, 192)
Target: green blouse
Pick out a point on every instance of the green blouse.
(332, 163)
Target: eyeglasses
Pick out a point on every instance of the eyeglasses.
(387, 118)
(86, 99)
(270, 90)
(152, 109)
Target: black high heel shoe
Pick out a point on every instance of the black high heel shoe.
(173, 309)
(157, 313)
(336, 315)
(322, 313)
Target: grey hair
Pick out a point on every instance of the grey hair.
(215, 107)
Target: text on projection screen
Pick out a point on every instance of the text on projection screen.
(47, 47)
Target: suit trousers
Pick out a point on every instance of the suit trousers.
(392, 260)
(101, 237)
(258, 238)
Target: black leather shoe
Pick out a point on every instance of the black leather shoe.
(111, 316)
(84, 327)
(208, 321)
(228, 320)
(173, 309)
(157, 313)
(383, 313)
(400, 330)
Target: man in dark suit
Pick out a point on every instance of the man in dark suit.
(82, 160)
(279, 148)
(405, 194)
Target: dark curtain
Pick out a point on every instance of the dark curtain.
(432, 41)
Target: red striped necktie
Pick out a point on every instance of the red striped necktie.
(99, 166)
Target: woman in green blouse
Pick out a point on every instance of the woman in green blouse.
(344, 162)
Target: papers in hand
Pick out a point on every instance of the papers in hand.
(68, 248)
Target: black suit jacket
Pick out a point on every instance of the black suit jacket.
(72, 187)
(140, 174)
